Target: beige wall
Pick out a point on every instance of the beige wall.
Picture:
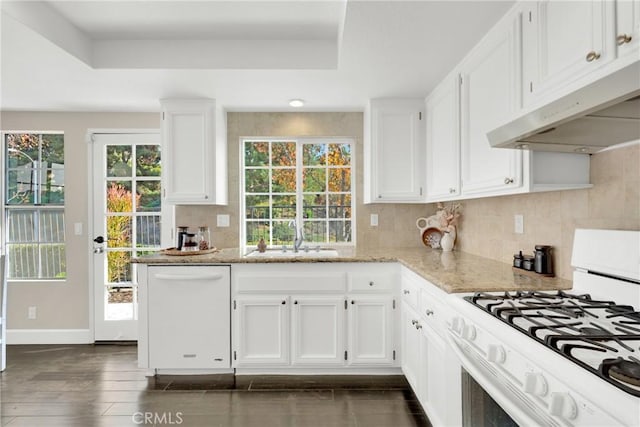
(65, 305)
(551, 218)
(396, 227)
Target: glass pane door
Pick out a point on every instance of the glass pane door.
(127, 223)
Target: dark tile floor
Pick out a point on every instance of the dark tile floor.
(86, 385)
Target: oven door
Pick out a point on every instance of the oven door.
(477, 361)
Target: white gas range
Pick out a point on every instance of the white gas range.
(567, 358)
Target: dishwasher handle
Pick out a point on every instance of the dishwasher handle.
(188, 277)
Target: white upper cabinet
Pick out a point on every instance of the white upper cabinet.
(564, 41)
(443, 141)
(394, 139)
(628, 28)
(193, 152)
(489, 94)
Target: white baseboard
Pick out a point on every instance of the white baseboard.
(49, 336)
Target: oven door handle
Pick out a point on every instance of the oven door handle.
(506, 393)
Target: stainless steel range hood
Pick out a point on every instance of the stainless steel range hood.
(601, 114)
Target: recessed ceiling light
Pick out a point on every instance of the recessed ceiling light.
(296, 102)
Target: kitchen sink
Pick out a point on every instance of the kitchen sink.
(302, 253)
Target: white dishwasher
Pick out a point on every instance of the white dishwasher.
(189, 317)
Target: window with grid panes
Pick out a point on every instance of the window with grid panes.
(34, 205)
(310, 181)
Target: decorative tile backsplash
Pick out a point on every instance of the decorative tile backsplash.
(487, 225)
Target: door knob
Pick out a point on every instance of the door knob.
(592, 56)
(622, 39)
(99, 240)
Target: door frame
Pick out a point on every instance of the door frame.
(168, 223)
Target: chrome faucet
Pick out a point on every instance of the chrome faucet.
(298, 236)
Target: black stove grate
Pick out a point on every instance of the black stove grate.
(569, 324)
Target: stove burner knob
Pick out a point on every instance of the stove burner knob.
(562, 405)
(457, 325)
(535, 384)
(469, 333)
(496, 353)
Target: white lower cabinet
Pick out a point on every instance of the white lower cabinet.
(371, 320)
(188, 317)
(434, 377)
(301, 315)
(317, 326)
(262, 330)
(427, 361)
(411, 349)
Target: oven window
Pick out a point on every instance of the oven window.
(479, 409)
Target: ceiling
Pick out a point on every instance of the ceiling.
(97, 55)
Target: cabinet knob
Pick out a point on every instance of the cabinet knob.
(406, 292)
(370, 283)
(284, 302)
(379, 196)
(414, 322)
(622, 39)
(353, 302)
(418, 326)
(295, 302)
(508, 180)
(452, 190)
(592, 56)
(428, 312)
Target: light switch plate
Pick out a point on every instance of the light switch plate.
(518, 223)
(374, 220)
(77, 228)
(223, 220)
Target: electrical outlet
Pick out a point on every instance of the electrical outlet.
(222, 220)
(374, 220)
(518, 222)
(32, 313)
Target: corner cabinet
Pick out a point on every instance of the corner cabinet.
(393, 151)
(193, 152)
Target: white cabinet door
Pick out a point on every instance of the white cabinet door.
(564, 41)
(434, 378)
(628, 28)
(411, 360)
(443, 141)
(261, 331)
(189, 319)
(371, 320)
(489, 95)
(317, 326)
(395, 167)
(192, 173)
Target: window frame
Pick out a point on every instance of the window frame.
(299, 193)
(38, 208)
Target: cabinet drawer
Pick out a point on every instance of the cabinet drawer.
(410, 291)
(371, 282)
(288, 279)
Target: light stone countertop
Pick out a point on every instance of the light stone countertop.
(451, 271)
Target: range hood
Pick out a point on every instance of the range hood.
(601, 114)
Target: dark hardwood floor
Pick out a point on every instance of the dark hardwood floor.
(87, 385)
